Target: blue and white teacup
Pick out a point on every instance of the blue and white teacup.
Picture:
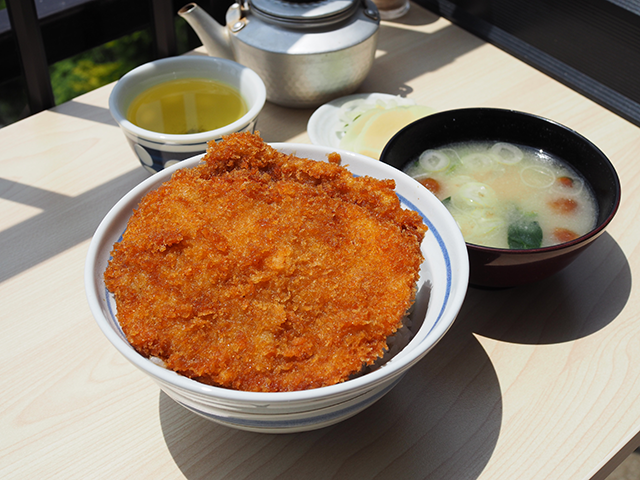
(157, 151)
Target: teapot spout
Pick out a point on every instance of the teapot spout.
(213, 36)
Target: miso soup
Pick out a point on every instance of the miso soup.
(187, 105)
(508, 196)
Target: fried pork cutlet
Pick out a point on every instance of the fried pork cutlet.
(261, 271)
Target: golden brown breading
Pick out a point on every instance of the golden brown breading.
(262, 271)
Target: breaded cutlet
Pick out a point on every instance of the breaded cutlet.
(261, 271)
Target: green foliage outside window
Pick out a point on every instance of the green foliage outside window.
(101, 65)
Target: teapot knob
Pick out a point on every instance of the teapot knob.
(372, 14)
(237, 26)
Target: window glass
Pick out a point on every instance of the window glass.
(104, 64)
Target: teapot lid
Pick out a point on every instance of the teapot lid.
(304, 12)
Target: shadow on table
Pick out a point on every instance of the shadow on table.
(74, 108)
(576, 302)
(64, 221)
(440, 422)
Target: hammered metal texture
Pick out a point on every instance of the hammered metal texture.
(303, 81)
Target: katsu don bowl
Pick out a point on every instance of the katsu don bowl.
(439, 293)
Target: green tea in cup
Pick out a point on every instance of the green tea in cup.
(186, 105)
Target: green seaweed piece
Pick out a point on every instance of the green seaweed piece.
(524, 233)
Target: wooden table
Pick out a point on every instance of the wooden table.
(536, 382)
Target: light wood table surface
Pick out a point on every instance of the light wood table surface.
(536, 382)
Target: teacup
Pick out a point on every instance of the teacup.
(157, 151)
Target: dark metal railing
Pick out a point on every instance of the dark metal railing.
(24, 19)
(592, 46)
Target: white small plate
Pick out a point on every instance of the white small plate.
(324, 125)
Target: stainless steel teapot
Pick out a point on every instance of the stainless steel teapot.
(307, 52)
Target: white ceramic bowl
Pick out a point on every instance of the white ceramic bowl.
(157, 151)
(442, 288)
